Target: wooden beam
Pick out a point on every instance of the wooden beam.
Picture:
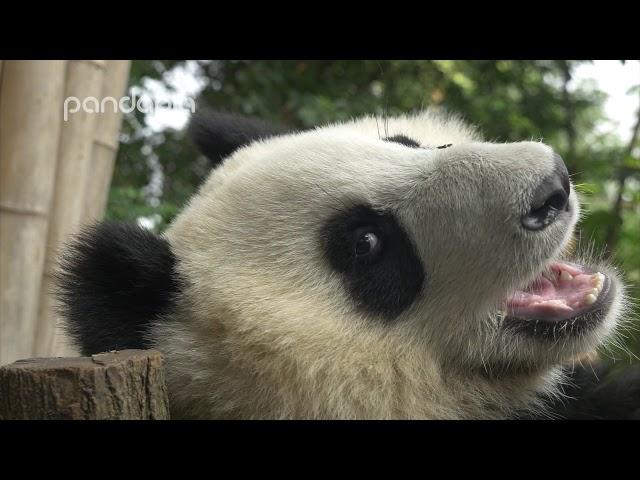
(84, 80)
(31, 97)
(104, 150)
(106, 142)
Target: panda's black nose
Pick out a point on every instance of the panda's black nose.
(551, 198)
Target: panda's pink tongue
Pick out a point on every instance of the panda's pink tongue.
(560, 294)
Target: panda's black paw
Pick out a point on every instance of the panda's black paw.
(600, 391)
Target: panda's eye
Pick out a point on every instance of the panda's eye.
(375, 258)
(368, 243)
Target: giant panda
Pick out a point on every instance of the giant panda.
(378, 268)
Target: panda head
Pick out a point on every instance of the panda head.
(368, 268)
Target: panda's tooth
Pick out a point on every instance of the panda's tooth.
(594, 291)
(590, 299)
(566, 276)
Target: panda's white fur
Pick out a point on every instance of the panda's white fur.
(264, 328)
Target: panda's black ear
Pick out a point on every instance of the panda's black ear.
(218, 134)
(113, 281)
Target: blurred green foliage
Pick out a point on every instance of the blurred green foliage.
(157, 171)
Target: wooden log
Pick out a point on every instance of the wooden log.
(31, 96)
(84, 80)
(125, 385)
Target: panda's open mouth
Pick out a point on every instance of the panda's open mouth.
(565, 299)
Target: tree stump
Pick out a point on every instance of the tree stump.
(124, 385)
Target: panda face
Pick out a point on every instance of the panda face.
(341, 273)
(341, 232)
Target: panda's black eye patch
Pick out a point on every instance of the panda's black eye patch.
(403, 140)
(376, 258)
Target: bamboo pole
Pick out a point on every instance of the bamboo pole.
(31, 94)
(105, 145)
(84, 80)
(105, 148)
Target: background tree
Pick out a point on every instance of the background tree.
(157, 171)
